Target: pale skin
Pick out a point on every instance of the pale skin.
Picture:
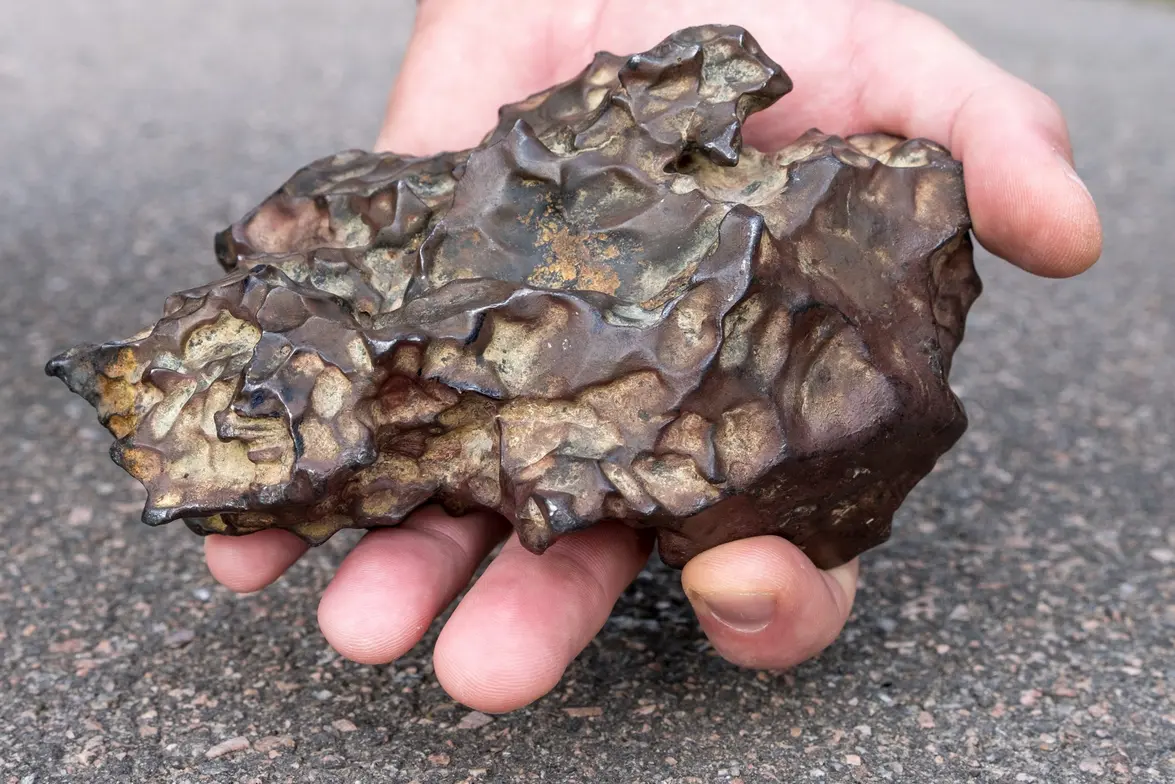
(858, 65)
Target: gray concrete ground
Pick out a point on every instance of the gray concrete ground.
(1019, 627)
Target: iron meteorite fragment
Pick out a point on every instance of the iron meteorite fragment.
(610, 308)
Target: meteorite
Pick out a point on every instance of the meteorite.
(611, 308)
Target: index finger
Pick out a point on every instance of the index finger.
(1028, 205)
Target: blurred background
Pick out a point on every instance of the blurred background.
(1018, 627)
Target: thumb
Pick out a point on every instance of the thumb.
(764, 604)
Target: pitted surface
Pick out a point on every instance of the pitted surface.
(1017, 627)
(608, 310)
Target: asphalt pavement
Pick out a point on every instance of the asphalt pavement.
(1020, 626)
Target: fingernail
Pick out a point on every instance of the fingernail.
(744, 612)
(1071, 173)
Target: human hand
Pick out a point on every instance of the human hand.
(858, 65)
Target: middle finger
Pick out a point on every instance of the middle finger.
(397, 580)
(525, 619)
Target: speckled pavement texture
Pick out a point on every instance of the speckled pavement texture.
(1019, 626)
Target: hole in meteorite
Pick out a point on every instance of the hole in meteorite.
(689, 162)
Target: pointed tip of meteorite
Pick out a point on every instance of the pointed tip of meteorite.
(76, 368)
(153, 515)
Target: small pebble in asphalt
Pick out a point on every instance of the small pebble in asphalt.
(239, 743)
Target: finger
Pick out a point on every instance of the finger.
(512, 636)
(763, 604)
(916, 78)
(249, 563)
(397, 580)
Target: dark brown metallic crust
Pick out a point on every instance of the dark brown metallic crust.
(610, 308)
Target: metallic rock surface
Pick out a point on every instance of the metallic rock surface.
(609, 309)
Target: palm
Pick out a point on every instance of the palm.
(858, 65)
(503, 60)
